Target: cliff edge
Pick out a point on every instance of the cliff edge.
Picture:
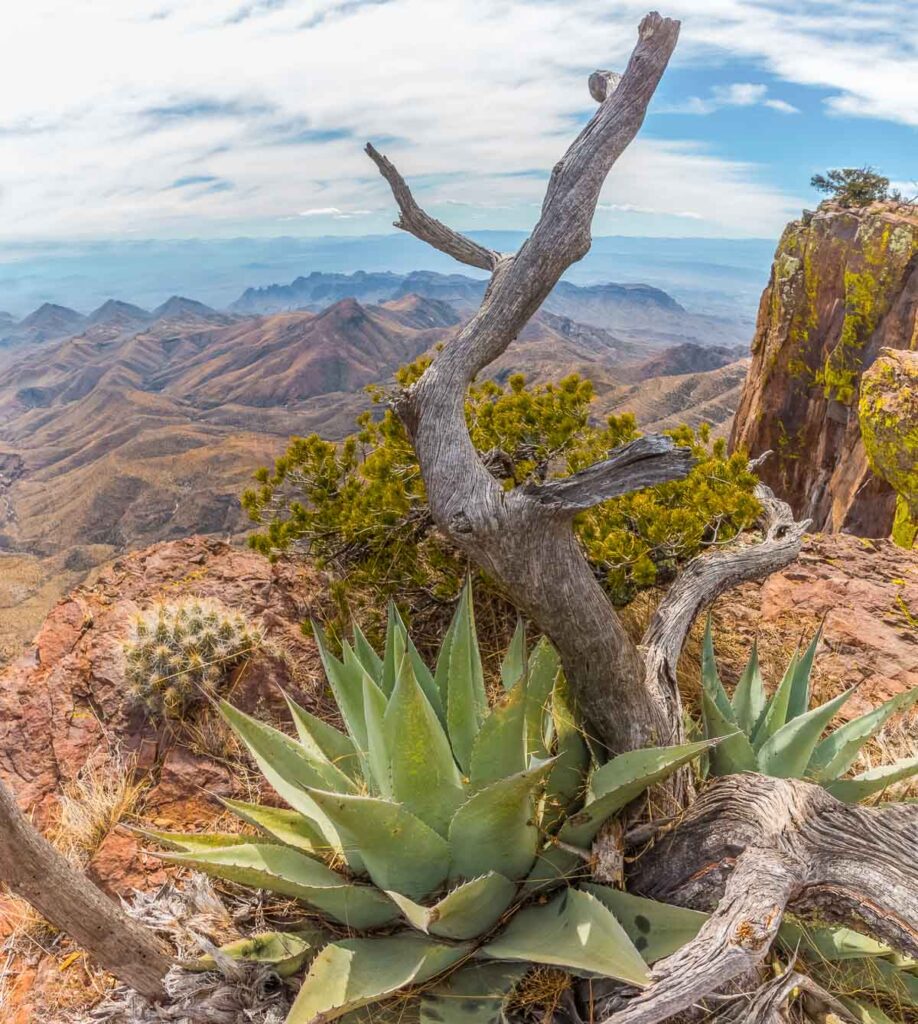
(843, 285)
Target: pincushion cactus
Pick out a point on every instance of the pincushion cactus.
(178, 652)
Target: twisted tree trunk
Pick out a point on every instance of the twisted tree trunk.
(524, 538)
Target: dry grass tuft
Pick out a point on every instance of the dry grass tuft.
(539, 994)
(97, 800)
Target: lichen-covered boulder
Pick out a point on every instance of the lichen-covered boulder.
(888, 413)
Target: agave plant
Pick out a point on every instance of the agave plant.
(439, 840)
(783, 736)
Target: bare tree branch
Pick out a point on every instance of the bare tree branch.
(32, 869)
(428, 229)
(708, 576)
(535, 556)
(650, 460)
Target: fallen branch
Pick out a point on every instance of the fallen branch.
(32, 869)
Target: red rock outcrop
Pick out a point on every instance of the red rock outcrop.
(844, 284)
(64, 704)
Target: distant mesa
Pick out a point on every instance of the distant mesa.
(6, 319)
(116, 312)
(179, 307)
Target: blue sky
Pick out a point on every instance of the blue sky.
(128, 119)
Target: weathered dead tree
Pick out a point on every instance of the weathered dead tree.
(32, 869)
(751, 847)
(524, 538)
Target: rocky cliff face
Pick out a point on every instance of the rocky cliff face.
(843, 285)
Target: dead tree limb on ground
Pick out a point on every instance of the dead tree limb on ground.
(32, 869)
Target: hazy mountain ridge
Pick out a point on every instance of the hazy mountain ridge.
(639, 312)
(142, 426)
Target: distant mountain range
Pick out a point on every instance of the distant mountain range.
(721, 276)
(637, 313)
(126, 426)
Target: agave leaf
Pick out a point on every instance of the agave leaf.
(865, 1012)
(880, 977)
(298, 765)
(710, 679)
(346, 682)
(837, 752)
(620, 780)
(424, 775)
(513, 666)
(441, 671)
(553, 865)
(499, 749)
(366, 654)
(574, 930)
(734, 753)
(293, 874)
(288, 827)
(850, 791)
(289, 768)
(543, 669)
(832, 944)
(656, 929)
(421, 672)
(396, 642)
(568, 777)
(467, 701)
(352, 973)
(786, 754)
(494, 831)
(775, 713)
(798, 701)
(193, 842)
(400, 852)
(379, 777)
(468, 911)
(749, 696)
(286, 952)
(473, 994)
(324, 740)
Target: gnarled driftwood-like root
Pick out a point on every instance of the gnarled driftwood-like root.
(752, 848)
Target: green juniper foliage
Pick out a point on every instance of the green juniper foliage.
(783, 736)
(441, 841)
(854, 186)
(360, 509)
(178, 652)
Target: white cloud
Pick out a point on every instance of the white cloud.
(782, 106)
(334, 212)
(736, 94)
(105, 105)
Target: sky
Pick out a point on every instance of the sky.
(129, 119)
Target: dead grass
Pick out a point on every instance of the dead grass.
(539, 994)
(97, 800)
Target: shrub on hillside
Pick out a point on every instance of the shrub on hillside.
(854, 186)
(178, 653)
(359, 507)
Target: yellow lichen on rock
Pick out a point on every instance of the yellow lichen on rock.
(888, 414)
